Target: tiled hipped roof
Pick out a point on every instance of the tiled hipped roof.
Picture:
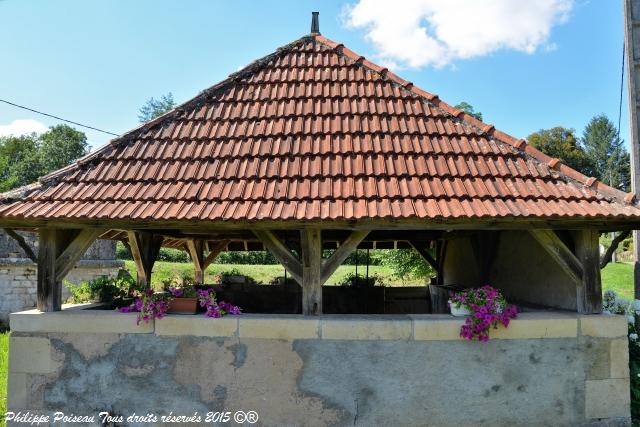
(316, 132)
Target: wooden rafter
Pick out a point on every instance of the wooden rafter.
(561, 254)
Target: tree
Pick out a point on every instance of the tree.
(561, 143)
(468, 108)
(156, 107)
(606, 151)
(23, 159)
(60, 146)
(407, 263)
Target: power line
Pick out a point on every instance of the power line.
(58, 118)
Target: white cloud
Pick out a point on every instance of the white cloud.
(23, 127)
(417, 33)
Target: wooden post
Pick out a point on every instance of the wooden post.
(589, 290)
(311, 242)
(145, 247)
(58, 252)
(632, 45)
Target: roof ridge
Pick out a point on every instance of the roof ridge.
(487, 129)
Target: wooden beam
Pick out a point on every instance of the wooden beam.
(311, 246)
(214, 251)
(74, 251)
(589, 290)
(424, 253)
(562, 255)
(281, 252)
(145, 247)
(330, 265)
(196, 252)
(22, 243)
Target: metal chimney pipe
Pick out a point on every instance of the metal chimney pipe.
(315, 23)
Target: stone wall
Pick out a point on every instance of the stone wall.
(18, 281)
(547, 368)
(18, 274)
(522, 269)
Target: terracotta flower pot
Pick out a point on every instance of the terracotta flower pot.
(183, 305)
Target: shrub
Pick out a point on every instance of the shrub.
(353, 279)
(103, 289)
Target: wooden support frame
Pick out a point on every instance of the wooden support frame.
(58, 252)
(589, 290)
(144, 249)
(196, 250)
(583, 266)
(562, 255)
(311, 271)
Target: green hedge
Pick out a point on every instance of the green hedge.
(376, 257)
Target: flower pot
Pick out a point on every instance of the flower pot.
(183, 305)
(459, 311)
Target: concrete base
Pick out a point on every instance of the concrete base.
(545, 369)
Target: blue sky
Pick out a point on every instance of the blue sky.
(97, 62)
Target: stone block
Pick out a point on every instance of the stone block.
(76, 320)
(30, 355)
(603, 326)
(425, 329)
(281, 327)
(197, 325)
(607, 398)
(363, 328)
(17, 391)
(619, 358)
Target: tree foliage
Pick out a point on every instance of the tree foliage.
(562, 143)
(468, 108)
(407, 263)
(156, 107)
(599, 153)
(609, 158)
(23, 159)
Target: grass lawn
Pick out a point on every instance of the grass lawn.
(618, 277)
(263, 273)
(4, 369)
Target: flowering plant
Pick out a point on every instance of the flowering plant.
(148, 304)
(182, 291)
(488, 309)
(207, 298)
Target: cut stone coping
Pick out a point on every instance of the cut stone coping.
(417, 327)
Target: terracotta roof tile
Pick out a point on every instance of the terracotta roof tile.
(315, 131)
